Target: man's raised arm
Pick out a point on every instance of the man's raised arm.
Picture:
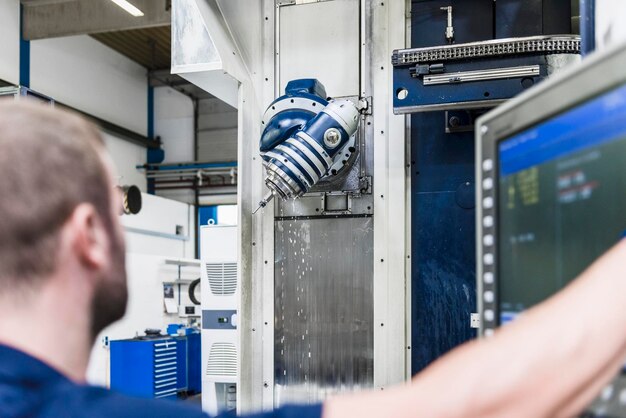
(551, 362)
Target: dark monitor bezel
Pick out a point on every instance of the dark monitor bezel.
(598, 74)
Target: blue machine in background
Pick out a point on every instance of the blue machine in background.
(191, 375)
(147, 368)
(194, 367)
(466, 57)
(157, 366)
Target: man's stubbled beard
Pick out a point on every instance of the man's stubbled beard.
(111, 293)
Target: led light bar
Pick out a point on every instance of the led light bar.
(128, 7)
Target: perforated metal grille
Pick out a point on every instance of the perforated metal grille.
(222, 360)
(547, 45)
(222, 278)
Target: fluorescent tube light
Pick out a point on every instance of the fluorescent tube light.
(128, 7)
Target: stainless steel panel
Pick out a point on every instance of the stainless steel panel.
(321, 40)
(323, 309)
(191, 43)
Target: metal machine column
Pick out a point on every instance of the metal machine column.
(323, 241)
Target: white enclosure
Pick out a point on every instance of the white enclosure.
(220, 302)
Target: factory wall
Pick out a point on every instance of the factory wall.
(80, 72)
(125, 157)
(162, 217)
(10, 35)
(610, 28)
(174, 124)
(83, 73)
(217, 131)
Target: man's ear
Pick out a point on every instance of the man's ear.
(90, 240)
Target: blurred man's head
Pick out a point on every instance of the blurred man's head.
(58, 205)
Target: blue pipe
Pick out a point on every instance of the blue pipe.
(24, 53)
(150, 111)
(587, 26)
(153, 155)
(188, 166)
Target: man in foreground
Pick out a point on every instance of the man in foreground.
(62, 280)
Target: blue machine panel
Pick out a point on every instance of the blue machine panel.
(472, 21)
(442, 200)
(181, 364)
(132, 366)
(194, 367)
(442, 152)
(146, 368)
(533, 17)
(419, 94)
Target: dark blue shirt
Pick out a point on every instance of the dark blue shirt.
(30, 388)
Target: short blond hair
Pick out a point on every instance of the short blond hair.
(50, 162)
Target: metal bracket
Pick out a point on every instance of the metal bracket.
(365, 105)
(475, 320)
(425, 69)
(336, 204)
(365, 184)
(461, 120)
(449, 27)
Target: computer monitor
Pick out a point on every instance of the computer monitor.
(551, 195)
(552, 170)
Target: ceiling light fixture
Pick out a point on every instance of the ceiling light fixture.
(128, 7)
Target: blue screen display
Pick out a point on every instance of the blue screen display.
(591, 124)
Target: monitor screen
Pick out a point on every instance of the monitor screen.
(561, 199)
